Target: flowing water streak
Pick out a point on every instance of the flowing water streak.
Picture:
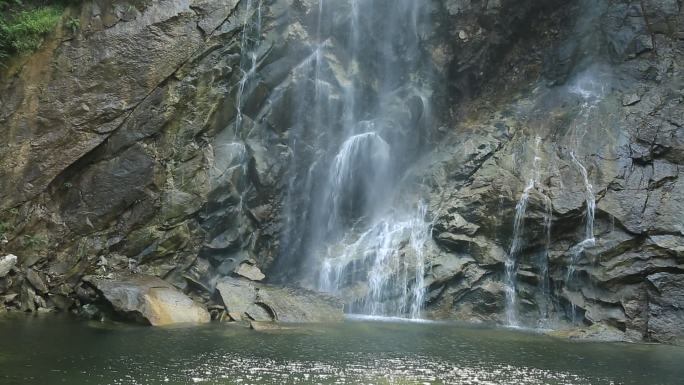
(364, 160)
(589, 240)
(249, 44)
(517, 242)
(545, 279)
(591, 90)
(298, 234)
(420, 234)
(589, 86)
(590, 199)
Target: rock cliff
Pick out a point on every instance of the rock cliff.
(551, 167)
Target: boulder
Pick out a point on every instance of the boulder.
(261, 302)
(289, 304)
(240, 299)
(149, 299)
(6, 264)
(37, 280)
(250, 272)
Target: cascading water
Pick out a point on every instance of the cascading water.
(352, 140)
(591, 91)
(230, 153)
(249, 45)
(590, 200)
(363, 163)
(511, 263)
(545, 279)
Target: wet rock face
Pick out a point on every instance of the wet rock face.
(120, 138)
(121, 156)
(623, 134)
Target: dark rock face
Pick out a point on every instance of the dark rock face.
(666, 307)
(119, 158)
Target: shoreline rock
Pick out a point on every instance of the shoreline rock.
(146, 298)
(261, 302)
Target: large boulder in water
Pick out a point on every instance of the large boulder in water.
(149, 300)
(262, 302)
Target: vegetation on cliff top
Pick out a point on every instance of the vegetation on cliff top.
(24, 24)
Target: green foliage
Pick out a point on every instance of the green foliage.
(24, 32)
(34, 241)
(73, 24)
(4, 229)
(24, 24)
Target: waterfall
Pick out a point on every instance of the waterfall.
(511, 263)
(354, 224)
(591, 91)
(230, 153)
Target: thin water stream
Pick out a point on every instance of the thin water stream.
(511, 262)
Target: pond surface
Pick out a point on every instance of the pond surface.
(61, 350)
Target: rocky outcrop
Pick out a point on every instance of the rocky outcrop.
(258, 302)
(140, 182)
(149, 300)
(249, 271)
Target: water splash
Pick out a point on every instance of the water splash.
(394, 251)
